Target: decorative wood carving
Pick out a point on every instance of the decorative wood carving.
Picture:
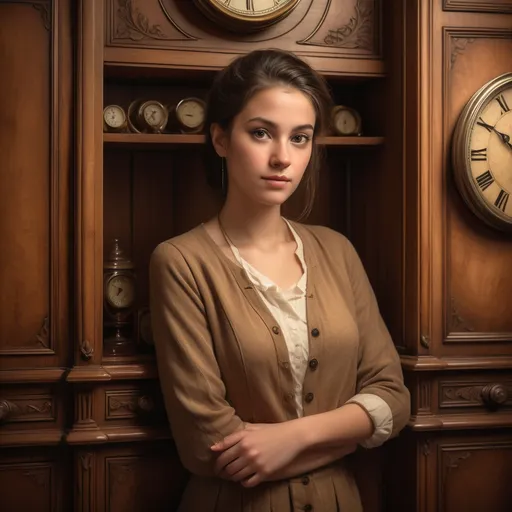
(44, 334)
(458, 46)
(503, 6)
(44, 9)
(86, 350)
(31, 408)
(85, 481)
(459, 323)
(127, 404)
(426, 447)
(132, 24)
(357, 33)
(424, 405)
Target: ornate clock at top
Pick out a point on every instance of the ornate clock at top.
(246, 14)
(482, 153)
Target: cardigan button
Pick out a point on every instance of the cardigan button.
(275, 329)
(315, 332)
(309, 397)
(308, 507)
(305, 480)
(313, 364)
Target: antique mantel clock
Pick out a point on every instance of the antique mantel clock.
(118, 303)
(482, 153)
(246, 15)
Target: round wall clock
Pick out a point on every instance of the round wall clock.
(482, 153)
(244, 15)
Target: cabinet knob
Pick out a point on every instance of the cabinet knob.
(145, 404)
(7, 409)
(494, 395)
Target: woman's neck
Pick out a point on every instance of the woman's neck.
(260, 226)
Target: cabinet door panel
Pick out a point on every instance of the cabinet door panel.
(35, 144)
(475, 477)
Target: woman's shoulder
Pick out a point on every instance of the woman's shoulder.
(322, 236)
(189, 245)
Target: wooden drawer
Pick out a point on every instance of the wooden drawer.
(31, 414)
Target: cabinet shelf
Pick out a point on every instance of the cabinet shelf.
(178, 139)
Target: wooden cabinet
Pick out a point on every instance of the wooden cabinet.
(84, 430)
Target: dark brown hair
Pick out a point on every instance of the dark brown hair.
(236, 84)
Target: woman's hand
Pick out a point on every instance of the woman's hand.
(251, 455)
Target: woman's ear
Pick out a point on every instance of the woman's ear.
(219, 139)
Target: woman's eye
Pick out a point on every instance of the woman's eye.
(301, 138)
(260, 133)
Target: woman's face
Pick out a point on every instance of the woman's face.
(269, 145)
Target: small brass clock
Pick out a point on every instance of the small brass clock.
(346, 121)
(482, 153)
(246, 15)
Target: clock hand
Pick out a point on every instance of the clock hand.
(119, 290)
(504, 137)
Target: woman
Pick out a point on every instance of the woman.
(273, 358)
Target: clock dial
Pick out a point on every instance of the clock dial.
(114, 116)
(190, 113)
(153, 114)
(490, 156)
(482, 153)
(120, 292)
(246, 13)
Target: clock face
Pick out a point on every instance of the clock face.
(120, 292)
(114, 116)
(346, 121)
(154, 114)
(483, 152)
(191, 113)
(255, 13)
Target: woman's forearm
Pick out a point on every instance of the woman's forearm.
(311, 460)
(347, 425)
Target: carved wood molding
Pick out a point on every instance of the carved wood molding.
(424, 397)
(40, 344)
(45, 9)
(503, 6)
(85, 497)
(357, 34)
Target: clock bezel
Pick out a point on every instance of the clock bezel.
(461, 154)
(238, 22)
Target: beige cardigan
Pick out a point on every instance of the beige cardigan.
(223, 361)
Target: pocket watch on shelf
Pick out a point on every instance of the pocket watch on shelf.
(147, 116)
(482, 153)
(246, 15)
(189, 115)
(114, 119)
(118, 302)
(346, 121)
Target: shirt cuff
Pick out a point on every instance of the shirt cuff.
(381, 416)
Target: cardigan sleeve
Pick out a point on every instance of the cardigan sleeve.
(193, 390)
(379, 370)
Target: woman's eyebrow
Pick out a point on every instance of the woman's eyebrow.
(274, 125)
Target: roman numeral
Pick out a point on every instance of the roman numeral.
(479, 155)
(501, 200)
(488, 127)
(503, 103)
(485, 180)
(250, 5)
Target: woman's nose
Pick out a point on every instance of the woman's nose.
(280, 158)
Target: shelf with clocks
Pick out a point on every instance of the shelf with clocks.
(141, 139)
